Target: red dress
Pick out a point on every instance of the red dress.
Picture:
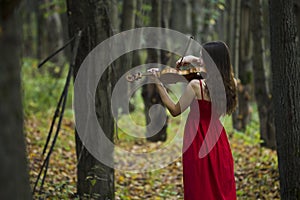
(210, 177)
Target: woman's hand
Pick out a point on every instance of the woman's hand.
(188, 60)
(155, 73)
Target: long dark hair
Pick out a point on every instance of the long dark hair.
(218, 52)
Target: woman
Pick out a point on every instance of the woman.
(210, 176)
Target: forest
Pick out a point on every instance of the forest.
(75, 128)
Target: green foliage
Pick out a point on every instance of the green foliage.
(217, 6)
(41, 91)
(143, 14)
(144, 18)
(54, 6)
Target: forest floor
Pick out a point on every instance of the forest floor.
(256, 169)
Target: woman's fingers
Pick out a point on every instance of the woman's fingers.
(154, 71)
(181, 62)
(185, 60)
(189, 60)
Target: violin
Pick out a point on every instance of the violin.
(170, 75)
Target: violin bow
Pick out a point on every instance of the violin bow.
(187, 47)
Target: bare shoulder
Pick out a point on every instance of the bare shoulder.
(194, 84)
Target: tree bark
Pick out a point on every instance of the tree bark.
(261, 91)
(244, 67)
(297, 13)
(286, 95)
(92, 17)
(13, 168)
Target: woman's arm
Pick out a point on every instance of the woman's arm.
(183, 103)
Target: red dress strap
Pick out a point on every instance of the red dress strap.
(201, 89)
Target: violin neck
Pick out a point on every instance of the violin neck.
(137, 76)
(147, 74)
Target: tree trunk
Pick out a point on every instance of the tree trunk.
(50, 36)
(114, 16)
(221, 24)
(262, 96)
(124, 64)
(196, 16)
(286, 95)
(244, 67)
(230, 25)
(179, 16)
(29, 28)
(139, 21)
(95, 179)
(41, 33)
(128, 15)
(55, 40)
(297, 13)
(165, 23)
(13, 168)
(205, 32)
(266, 33)
(236, 36)
(235, 53)
(149, 91)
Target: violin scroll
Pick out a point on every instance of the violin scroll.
(134, 77)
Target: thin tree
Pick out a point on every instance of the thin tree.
(149, 91)
(234, 44)
(286, 95)
(180, 16)
(13, 169)
(244, 65)
(196, 16)
(261, 90)
(297, 13)
(125, 62)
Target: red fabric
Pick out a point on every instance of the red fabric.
(210, 177)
